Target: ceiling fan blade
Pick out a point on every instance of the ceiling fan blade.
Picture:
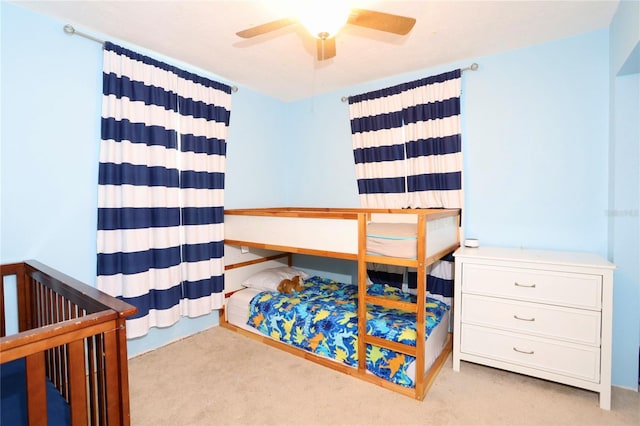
(265, 28)
(381, 21)
(326, 49)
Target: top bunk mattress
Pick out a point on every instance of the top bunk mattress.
(392, 239)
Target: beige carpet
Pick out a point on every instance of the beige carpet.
(219, 377)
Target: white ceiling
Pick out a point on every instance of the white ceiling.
(282, 64)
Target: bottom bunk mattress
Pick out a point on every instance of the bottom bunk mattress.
(322, 319)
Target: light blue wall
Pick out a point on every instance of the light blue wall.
(253, 177)
(536, 147)
(535, 128)
(624, 190)
(319, 145)
(50, 128)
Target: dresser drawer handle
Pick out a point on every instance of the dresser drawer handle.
(523, 319)
(517, 284)
(523, 352)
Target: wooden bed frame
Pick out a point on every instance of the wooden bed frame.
(73, 335)
(341, 233)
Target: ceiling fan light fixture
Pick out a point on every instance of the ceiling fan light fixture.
(323, 19)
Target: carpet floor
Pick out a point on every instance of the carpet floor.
(219, 377)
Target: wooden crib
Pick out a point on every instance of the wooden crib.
(72, 339)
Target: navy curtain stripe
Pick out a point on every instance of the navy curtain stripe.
(108, 46)
(435, 285)
(377, 154)
(202, 145)
(440, 286)
(434, 146)
(110, 219)
(155, 299)
(203, 288)
(125, 130)
(204, 251)
(137, 91)
(140, 175)
(403, 87)
(435, 181)
(198, 109)
(202, 215)
(431, 111)
(137, 262)
(382, 186)
(388, 278)
(377, 122)
(377, 94)
(440, 78)
(201, 180)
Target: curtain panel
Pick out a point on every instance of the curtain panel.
(161, 189)
(433, 143)
(407, 144)
(408, 154)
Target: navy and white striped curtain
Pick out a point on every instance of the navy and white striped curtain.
(408, 154)
(378, 147)
(161, 189)
(432, 136)
(407, 144)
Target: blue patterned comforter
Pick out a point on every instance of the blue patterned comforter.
(323, 319)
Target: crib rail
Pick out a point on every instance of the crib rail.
(73, 335)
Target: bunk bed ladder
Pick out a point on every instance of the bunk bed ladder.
(418, 308)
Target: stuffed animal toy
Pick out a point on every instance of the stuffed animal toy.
(289, 286)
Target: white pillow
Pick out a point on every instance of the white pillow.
(268, 279)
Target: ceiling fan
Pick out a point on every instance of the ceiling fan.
(325, 32)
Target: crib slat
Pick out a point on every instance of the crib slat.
(112, 378)
(101, 383)
(36, 390)
(3, 329)
(91, 379)
(77, 383)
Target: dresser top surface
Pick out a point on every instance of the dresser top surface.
(534, 256)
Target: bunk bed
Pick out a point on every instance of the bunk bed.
(399, 237)
(67, 362)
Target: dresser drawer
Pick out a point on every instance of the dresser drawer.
(551, 287)
(577, 361)
(575, 325)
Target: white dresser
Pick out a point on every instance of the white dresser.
(546, 314)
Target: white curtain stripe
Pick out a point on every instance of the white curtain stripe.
(120, 108)
(139, 284)
(119, 196)
(156, 318)
(440, 127)
(384, 169)
(137, 153)
(137, 240)
(201, 162)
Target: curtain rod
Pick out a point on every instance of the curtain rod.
(68, 29)
(474, 66)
